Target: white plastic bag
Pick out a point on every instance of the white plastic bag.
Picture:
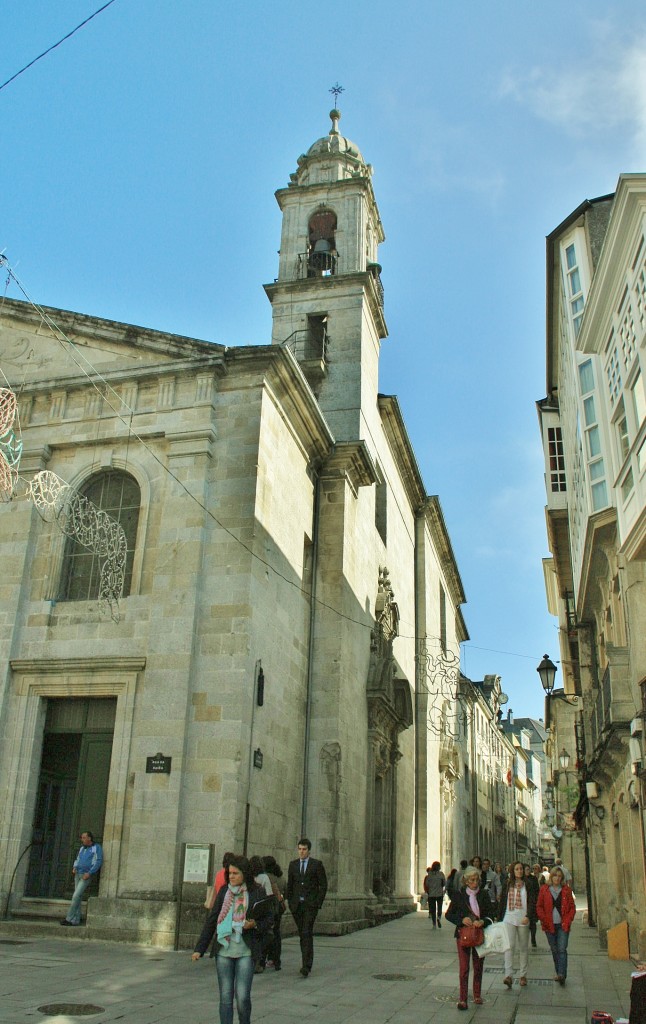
(496, 939)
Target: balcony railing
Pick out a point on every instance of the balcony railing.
(316, 264)
(326, 264)
(306, 345)
(374, 270)
(612, 708)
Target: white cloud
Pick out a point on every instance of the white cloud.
(604, 92)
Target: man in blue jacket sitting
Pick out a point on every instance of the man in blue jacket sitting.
(87, 864)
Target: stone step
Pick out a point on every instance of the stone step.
(35, 909)
(26, 930)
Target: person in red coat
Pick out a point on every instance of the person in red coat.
(556, 911)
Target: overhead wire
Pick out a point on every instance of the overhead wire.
(55, 45)
(79, 358)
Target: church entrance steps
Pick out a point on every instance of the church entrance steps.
(40, 909)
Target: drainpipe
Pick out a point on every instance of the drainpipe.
(245, 840)
(310, 650)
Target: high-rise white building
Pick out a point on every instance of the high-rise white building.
(593, 424)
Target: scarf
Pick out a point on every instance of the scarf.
(473, 901)
(556, 893)
(232, 914)
(515, 899)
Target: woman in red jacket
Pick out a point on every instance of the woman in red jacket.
(556, 911)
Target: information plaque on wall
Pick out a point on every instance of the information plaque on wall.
(158, 764)
(196, 862)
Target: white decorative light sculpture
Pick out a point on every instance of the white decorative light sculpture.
(81, 520)
(10, 443)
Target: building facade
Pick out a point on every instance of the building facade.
(593, 424)
(286, 648)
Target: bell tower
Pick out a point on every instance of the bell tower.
(327, 301)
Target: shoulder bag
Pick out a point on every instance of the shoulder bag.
(470, 936)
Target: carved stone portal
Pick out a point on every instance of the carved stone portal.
(390, 711)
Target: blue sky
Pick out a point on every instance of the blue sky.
(139, 161)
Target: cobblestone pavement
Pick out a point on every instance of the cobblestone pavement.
(404, 972)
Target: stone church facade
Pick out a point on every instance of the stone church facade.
(288, 583)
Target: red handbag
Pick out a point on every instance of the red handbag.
(471, 936)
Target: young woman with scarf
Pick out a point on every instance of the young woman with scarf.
(517, 909)
(471, 905)
(556, 912)
(241, 915)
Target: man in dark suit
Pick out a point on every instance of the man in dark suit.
(306, 889)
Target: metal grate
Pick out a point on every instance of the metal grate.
(394, 977)
(73, 1009)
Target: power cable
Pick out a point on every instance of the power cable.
(50, 48)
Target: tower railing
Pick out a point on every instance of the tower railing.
(316, 264)
(306, 344)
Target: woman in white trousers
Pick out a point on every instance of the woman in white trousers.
(517, 906)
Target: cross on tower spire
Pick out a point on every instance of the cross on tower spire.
(336, 91)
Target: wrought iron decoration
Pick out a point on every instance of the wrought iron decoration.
(58, 502)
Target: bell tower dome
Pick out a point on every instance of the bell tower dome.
(327, 301)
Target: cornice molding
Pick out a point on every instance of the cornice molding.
(434, 517)
(63, 666)
(352, 460)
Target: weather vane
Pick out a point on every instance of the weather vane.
(336, 91)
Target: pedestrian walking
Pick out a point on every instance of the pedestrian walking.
(460, 872)
(219, 880)
(567, 874)
(532, 886)
(556, 912)
(470, 906)
(240, 916)
(87, 864)
(434, 886)
(261, 878)
(451, 887)
(491, 880)
(275, 874)
(517, 906)
(305, 893)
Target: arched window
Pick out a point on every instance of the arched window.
(322, 253)
(118, 495)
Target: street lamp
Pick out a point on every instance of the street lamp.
(547, 671)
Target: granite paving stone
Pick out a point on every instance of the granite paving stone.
(151, 986)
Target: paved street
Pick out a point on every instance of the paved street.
(404, 972)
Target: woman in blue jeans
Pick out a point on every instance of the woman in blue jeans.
(239, 918)
(556, 911)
